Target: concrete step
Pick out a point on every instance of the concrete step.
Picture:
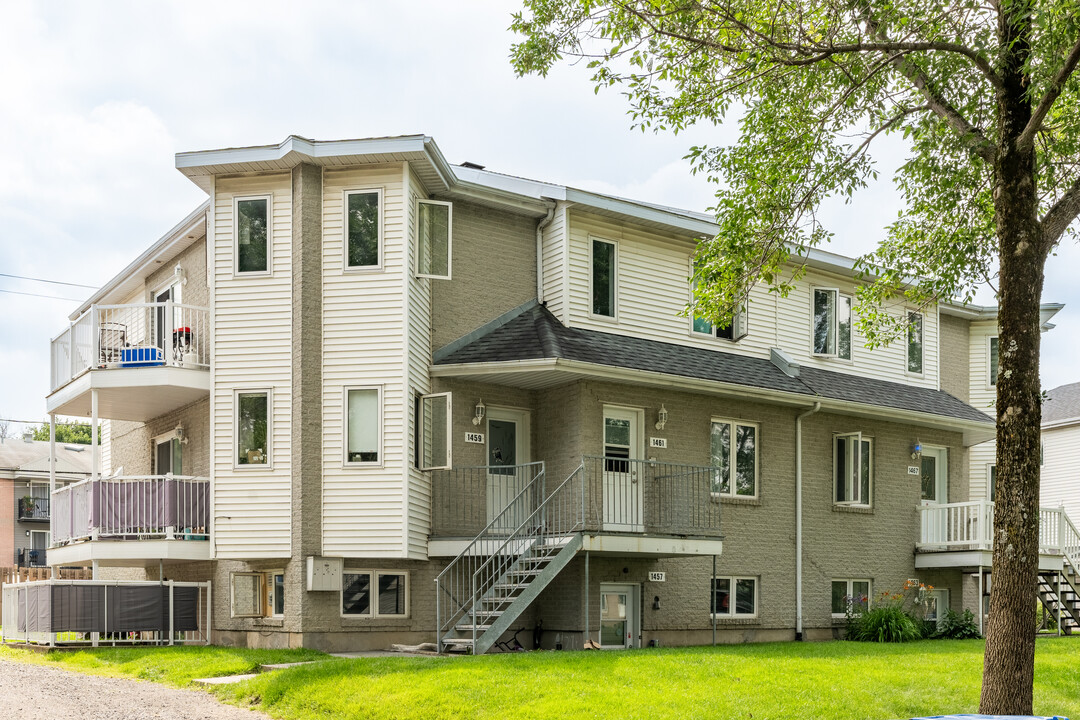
(226, 680)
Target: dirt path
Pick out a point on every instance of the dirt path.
(34, 692)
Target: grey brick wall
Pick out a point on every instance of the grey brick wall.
(133, 443)
(953, 356)
(494, 270)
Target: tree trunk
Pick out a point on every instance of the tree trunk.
(1009, 664)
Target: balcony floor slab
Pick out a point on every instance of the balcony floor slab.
(128, 553)
(607, 544)
(123, 392)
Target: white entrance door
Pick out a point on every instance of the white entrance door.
(934, 480)
(623, 490)
(507, 450)
(618, 616)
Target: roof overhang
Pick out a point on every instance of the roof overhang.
(552, 372)
(990, 312)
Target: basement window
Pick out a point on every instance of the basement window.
(374, 593)
(853, 595)
(734, 597)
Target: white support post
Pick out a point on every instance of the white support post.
(1060, 604)
(981, 600)
(95, 448)
(209, 608)
(52, 479)
(172, 615)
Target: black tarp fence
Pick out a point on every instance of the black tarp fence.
(88, 606)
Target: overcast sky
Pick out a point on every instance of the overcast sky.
(97, 97)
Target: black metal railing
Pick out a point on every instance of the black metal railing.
(465, 500)
(33, 509)
(28, 557)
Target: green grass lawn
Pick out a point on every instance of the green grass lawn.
(775, 680)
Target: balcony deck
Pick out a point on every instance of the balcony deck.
(121, 351)
(131, 520)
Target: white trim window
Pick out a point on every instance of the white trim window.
(830, 323)
(937, 603)
(915, 343)
(362, 439)
(434, 239)
(374, 593)
(252, 234)
(257, 594)
(734, 597)
(603, 278)
(853, 469)
(362, 228)
(733, 447)
(850, 595)
(435, 423)
(993, 366)
(253, 431)
(734, 332)
(168, 455)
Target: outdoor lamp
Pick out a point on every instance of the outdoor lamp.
(480, 408)
(916, 450)
(661, 417)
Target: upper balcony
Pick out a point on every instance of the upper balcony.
(122, 351)
(33, 509)
(627, 506)
(131, 520)
(962, 535)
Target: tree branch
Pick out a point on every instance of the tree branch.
(1057, 85)
(1058, 218)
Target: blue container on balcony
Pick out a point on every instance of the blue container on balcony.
(141, 357)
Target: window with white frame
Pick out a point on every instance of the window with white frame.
(253, 427)
(258, 594)
(434, 422)
(363, 229)
(604, 277)
(363, 425)
(434, 238)
(915, 343)
(733, 452)
(992, 367)
(736, 330)
(850, 595)
(168, 455)
(734, 596)
(853, 469)
(253, 235)
(374, 593)
(831, 323)
(937, 604)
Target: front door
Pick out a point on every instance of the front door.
(618, 616)
(623, 491)
(507, 451)
(935, 476)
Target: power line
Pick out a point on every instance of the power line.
(54, 282)
(51, 297)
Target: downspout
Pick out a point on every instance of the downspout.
(798, 520)
(540, 227)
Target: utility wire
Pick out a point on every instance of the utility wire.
(54, 282)
(52, 297)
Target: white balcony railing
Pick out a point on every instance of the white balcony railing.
(135, 335)
(131, 508)
(970, 526)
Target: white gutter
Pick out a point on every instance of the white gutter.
(540, 227)
(798, 519)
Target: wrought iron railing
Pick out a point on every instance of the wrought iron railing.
(33, 509)
(133, 335)
(32, 557)
(465, 499)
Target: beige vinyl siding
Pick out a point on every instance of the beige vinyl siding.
(1060, 482)
(653, 289)
(363, 344)
(418, 485)
(979, 458)
(553, 263)
(252, 341)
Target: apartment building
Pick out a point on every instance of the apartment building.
(374, 398)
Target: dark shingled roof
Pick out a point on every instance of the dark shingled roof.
(533, 333)
(1062, 403)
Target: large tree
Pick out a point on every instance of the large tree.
(984, 97)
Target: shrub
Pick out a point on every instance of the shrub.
(957, 626)
(884, 623)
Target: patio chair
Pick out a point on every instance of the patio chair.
(112, 338)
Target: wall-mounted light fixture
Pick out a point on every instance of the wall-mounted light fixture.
(656, 602)
(661, 417)
(480, 409)
(181, 433)
(916, 450)
(179, 275)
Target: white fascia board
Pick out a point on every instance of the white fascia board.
(682, 221)
(532, 206)
(1057, 424)
(508, 183)
(617, 374)
(142, 265)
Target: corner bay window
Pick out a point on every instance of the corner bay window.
(603, 278)
(735, 330)
(852, 469)
(433, 423)
(850, 594)
(389, 598)
(993, 368)
(434, 239)
(735, 463)
(362, 229)
(831, 323)
(362, 425)
(744, 602)
(252, 235)
(915, 343)
(252, 421)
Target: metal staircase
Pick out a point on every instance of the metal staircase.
(1059, 591)
(492, 581)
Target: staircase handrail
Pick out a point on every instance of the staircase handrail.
(469, 551)
(1070, 542)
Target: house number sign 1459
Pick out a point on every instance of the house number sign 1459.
(474, 438)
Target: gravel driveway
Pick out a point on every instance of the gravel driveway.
(34, 692)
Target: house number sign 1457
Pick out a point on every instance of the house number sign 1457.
(657, 576)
